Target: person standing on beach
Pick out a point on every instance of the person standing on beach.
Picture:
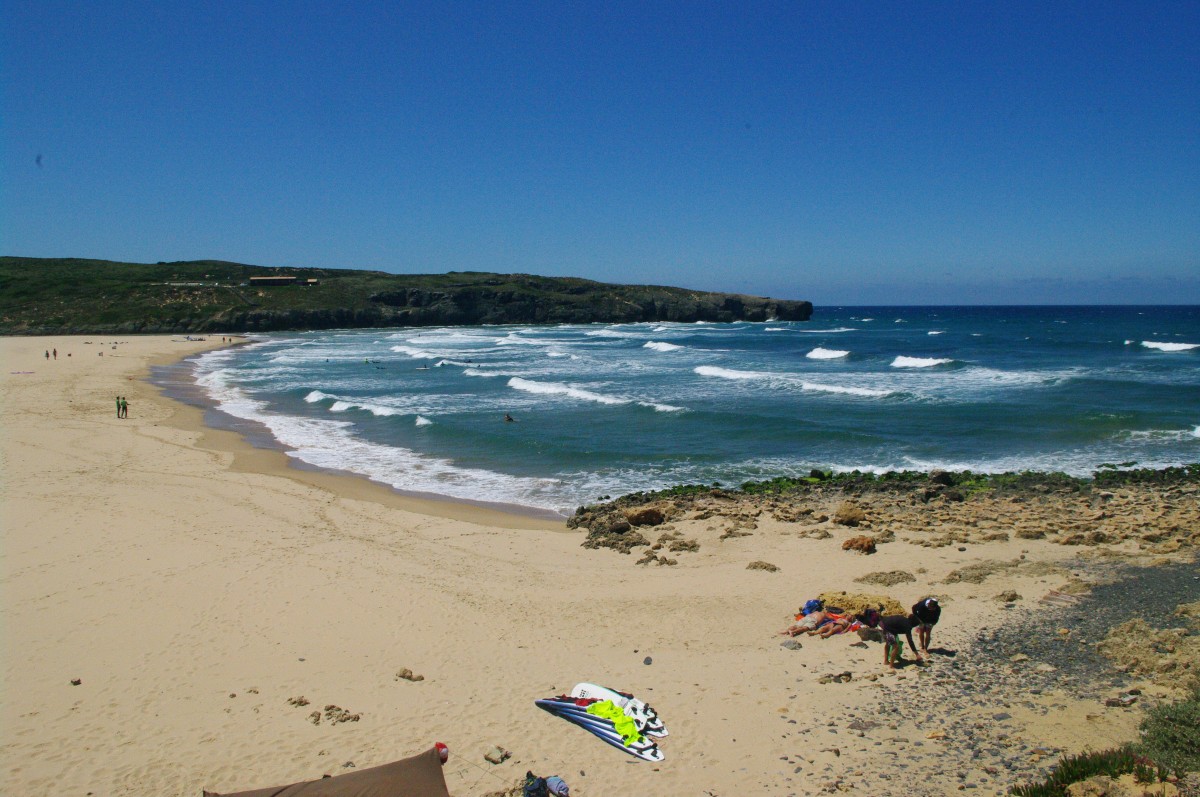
(118, 406)
(926, 612)
(125, 412)
(56, 354)
(47, 354)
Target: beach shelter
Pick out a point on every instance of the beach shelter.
(418, 776)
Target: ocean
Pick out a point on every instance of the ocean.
(603, 410)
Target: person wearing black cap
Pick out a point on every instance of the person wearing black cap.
(926, 612)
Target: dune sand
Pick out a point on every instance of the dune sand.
(197, 588)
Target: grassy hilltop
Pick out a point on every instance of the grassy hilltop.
(73, 296)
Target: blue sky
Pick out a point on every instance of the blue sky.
(846, 153)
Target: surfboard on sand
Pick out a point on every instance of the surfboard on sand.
(567, 708)
(647, 719)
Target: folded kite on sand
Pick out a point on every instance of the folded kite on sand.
(418, 776)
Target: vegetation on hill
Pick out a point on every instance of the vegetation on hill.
(72, 296)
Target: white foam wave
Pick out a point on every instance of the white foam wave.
(331, 444)
(1162, 435)
(609, 332)
(377, 410)
(935, 332)
(482, 374)
(919, 362)
(657, 346)
(415, 353)
(316, 396)
(848, 391)
(558, 389)
(1161, 346)
(422, 421)
(790, 380)
(829, 331)
(727, 373)
(826, 354)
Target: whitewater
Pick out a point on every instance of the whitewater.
(602, 410)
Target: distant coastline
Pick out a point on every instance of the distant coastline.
(71, 296)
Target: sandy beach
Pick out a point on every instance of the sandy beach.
(197, 588)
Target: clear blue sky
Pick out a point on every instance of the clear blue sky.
(850, 153)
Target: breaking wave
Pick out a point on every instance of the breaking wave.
(1160, 346)
(826, 354)
(919, 362)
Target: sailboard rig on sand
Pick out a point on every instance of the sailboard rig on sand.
(616, 718)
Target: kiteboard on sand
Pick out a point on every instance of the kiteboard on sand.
(574, 710)
(647, 719)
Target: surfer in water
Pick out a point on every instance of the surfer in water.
(509, 419)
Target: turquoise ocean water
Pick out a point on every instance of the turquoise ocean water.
(602, 410)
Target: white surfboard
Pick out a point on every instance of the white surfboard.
(646, 718)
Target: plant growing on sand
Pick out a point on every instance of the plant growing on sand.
(1171, 734)
(1075, 768)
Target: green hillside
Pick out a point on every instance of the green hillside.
(73, 296)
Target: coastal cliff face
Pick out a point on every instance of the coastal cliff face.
(47, 296)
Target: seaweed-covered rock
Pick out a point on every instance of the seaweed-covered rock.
(856, 602)
(849, 514)
(645, 516)
(862, 544)
(613, 531)
(887, 578)
(760, 565)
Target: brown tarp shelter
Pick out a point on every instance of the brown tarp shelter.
(419, 776)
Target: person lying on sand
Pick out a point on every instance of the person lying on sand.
(811, 615)
(840, 623)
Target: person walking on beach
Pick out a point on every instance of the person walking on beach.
(124, 408)
(47, 354)
(118, 406)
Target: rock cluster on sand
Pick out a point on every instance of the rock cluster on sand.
(856, 602)
(1155, 512)
(1164, 655)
